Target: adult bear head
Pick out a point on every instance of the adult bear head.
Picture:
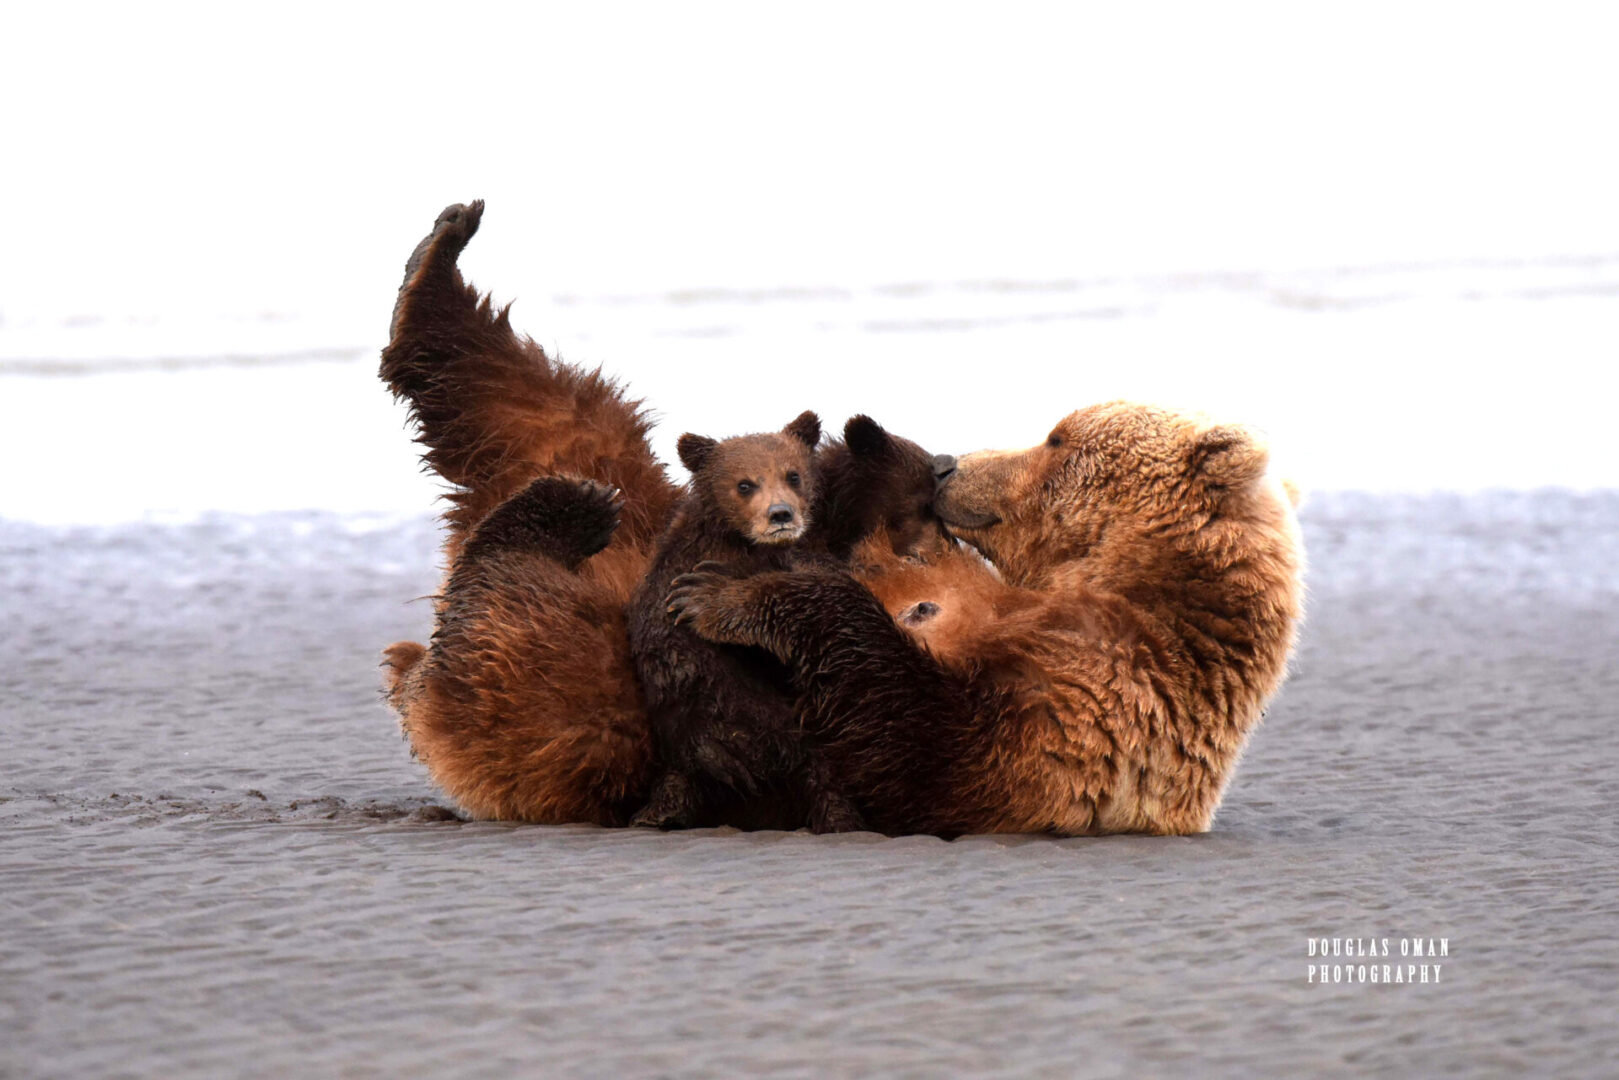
(1124, 493)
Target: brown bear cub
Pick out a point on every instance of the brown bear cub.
(722, 716)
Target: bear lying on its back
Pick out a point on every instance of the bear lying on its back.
(1149, 590)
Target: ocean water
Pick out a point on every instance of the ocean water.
(1399, 378)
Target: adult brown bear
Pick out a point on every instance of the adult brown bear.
(1148, 591)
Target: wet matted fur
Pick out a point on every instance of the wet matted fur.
(524, 704)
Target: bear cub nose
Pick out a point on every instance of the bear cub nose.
(781, 514)
(943, 466)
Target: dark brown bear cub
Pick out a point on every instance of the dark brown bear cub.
(722, 717)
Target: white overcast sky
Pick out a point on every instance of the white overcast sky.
(168, 165)
(272, 154)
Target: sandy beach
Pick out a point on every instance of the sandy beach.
(1383, 236)
(218, 859)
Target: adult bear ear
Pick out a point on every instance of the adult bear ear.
(1229, 456)
(806, 428)
(865, 437)
(694, 450)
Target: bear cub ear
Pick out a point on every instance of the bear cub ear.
(1228, 456)
(694, 450)
(806, 428)
(865, 437)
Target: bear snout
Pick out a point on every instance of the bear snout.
(956, 505)
(781, 514)
(943, 466)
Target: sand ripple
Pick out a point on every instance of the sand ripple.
(217, 858)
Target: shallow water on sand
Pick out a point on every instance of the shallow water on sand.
(217, 858)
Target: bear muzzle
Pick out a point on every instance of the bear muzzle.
(954, 512)
(783, 525)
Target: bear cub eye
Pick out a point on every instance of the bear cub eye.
(744, 487)
(1054, 441)
(793, 480)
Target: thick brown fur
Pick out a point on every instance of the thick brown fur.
(1105, 680)
(494, 411)
(722, 718)
(524, 705)
(874, 483)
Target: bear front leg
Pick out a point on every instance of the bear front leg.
(721, 607)
(795, 615)
(843, 648)
(566, 518)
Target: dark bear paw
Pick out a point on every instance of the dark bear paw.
(715, 604)
(436, 254)
(565, 517)
(583, 513)
(672, 806)
(832, 813)
(458, 221)
(455, 225)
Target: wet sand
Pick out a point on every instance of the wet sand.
(217, 858)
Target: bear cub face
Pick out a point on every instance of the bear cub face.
(876, 485)
(760, 486)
